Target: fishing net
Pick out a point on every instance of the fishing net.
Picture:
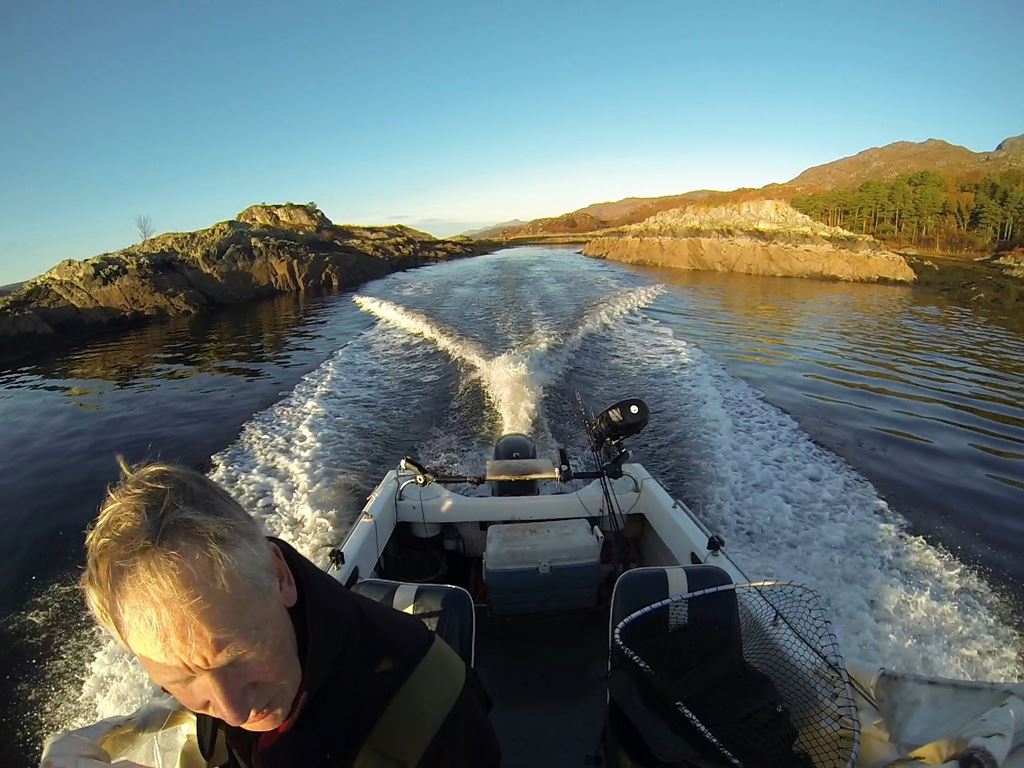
(751, 672)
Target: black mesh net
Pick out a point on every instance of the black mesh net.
(750, 672)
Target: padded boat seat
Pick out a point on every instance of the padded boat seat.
(446, 610)
(636, 736)
(640, 587)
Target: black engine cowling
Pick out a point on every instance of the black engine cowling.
(624, 419)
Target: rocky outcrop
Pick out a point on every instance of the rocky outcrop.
(266, 250)
(1011, 263)
(766, 237)
(306, 218)
(995, 281)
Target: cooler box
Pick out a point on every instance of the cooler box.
(535, 567)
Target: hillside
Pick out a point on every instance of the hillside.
(875, 164)
(903, 157)
(604, 215)
(493, 229)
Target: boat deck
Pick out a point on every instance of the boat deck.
(547, 676)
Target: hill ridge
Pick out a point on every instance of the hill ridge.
(880, 163)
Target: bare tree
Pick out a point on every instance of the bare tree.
(145, 227)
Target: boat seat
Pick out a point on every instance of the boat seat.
(635, 736)
(640, 587)
(445, 609)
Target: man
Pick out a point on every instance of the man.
(281, 663)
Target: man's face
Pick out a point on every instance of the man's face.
(232, 655)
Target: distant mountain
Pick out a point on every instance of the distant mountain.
(893, 160)
(493, 229)
(602, 215)
(878, 163)
(5, 289)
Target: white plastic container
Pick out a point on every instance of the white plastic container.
(548, 566)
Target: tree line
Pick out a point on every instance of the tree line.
(928, 209)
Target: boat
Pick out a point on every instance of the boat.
(611, 627)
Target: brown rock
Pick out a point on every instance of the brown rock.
(304, 218)
(271, 249)
(756, 238)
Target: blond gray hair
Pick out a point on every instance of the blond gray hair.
(158, 526)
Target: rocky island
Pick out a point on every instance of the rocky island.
(764, 237)
(264, 250)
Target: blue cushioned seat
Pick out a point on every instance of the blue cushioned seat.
(446, 610)
(641, 587)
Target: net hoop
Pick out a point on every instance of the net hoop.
(785, 629)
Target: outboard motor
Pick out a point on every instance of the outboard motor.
(624, 419)
(514, 446)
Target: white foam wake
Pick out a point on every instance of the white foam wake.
(420, 325)
(514, 380)
(299, 465)
(790, 509)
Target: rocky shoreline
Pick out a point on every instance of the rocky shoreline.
(765, 237)
(265, 250)
(996, 280)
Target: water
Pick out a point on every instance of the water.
(819, 427)
(925, 398)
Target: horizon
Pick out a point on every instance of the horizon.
(458, 116)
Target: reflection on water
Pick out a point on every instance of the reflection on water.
(178, 389)
(923, 396)
(237, 341)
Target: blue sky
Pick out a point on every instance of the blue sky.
(449, 115)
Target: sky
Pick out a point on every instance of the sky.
(452, 115)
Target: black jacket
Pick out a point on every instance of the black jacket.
(355, 655)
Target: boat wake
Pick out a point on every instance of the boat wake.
(514, 380)
(443, 383)
(790, 509)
